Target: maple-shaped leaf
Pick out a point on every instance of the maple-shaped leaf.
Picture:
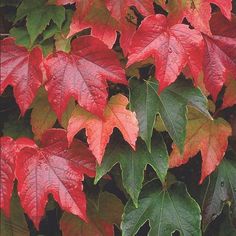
(101, 217)
(197, 12)
(229, 98)
(53, 169)
(219, 62)
(9, 151)
(20, 68)
(82, 74)
(170, 47)
(119, 8)
(98, 18)
(38, 15)
(171, 104)
(205, 135)
(133, 163)
(220, 191)
(98, 130)
(167, 210)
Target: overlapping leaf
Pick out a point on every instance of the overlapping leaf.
(167, 210)
(82, 74)
(170, 104)
(98, 130)
(171, 47)
(53, 169)
(205, 135)
(21, 69)
(133, 163)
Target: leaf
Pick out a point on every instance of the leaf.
(221, 190)
(133, 163)
(42, 116)
(98, 130)
(21, 36)
(119, 8)
(20, 69)
(167, 210)
(53, 169)
(15, 225)
(98, 18)
(82, 74)
(101, 216)
(9, 150)
(197, 12)
(218, 62)
(205, 135)
(172, 48)
(38, 15)
(229, 95)
(170, 104)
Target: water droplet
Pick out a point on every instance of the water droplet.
(222, 183)
(170, 50)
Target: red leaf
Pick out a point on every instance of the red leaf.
(99, 130)
(9, 150)
(171, 47)
(21, 69)
(53, 169)
(210, 137)
(219, 61)
(82, 74)
(230, 94)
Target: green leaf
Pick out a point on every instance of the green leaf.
(16, 225)
(221, 190)
(167, 210)
(133, 163)
(38, 16)
(170, 104)
(21, 35)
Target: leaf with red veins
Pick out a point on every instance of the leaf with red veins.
(82, 74)
(222, 26)
(103, 25)
(230, 94)
(53, 169)
(21, 69)
(219, 62)
(99, 130)
(210, 137)
(197, 12)
(119, 8)
(171, 47)
(8, 154)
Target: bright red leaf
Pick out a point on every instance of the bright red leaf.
(98, 130)
(197, 12)
(170, 47)
(20, 68)
(53, 169)
(82, 74)
(210, 137)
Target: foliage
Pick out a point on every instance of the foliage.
(119, 117)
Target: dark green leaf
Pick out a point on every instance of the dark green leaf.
(167, 210)
(21, 35)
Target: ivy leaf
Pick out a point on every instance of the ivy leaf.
(230, 94)
(221, 190)
(82, 74)
(205, 135)
(172, 48)
(98, 130)
(20, 69)
(101, 215)
(38, 15)
(133, 163)
(167, 210)
(21, 36)
(53, 169)
(197, 12)
(15, 225)
(170, 104)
